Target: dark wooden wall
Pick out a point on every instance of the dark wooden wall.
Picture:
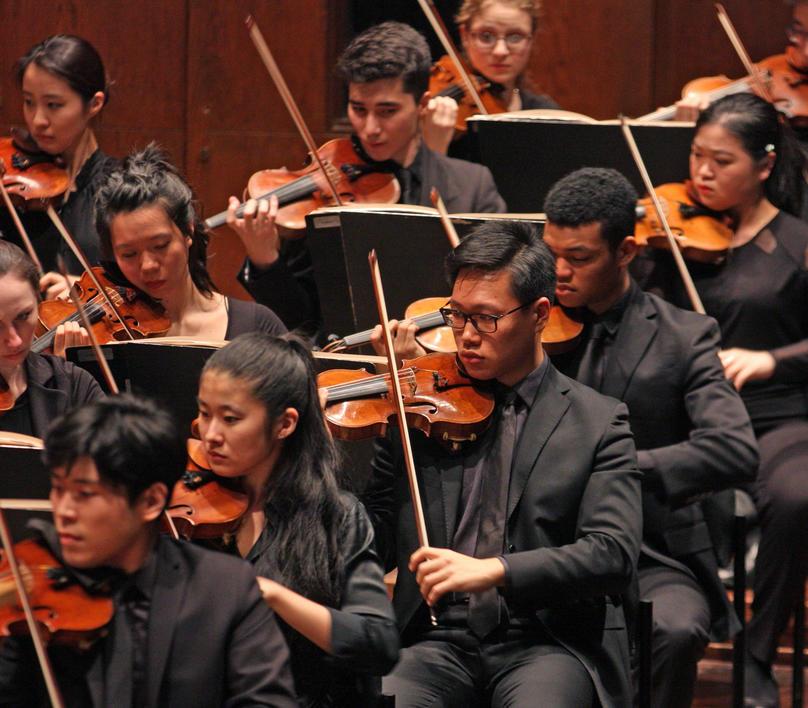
(187, 75)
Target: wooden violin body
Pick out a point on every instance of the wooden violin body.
(439, 400)
(701, 235)
(445, 80)
(32, 179)
(65, 612)
(300, 192)
(143, 318)
(201, 507)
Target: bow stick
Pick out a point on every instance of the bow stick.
(749, 65)
(690, 286)
(33, 626)
(29, 247)
(409, 461)
(291, 106)
(101, 359)
(445, 220)
(431, 12)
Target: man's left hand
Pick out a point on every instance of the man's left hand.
(441, 570)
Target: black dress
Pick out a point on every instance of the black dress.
(759, 295)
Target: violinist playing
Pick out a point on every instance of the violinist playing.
(745, 163)
(310, 542)
(690, 426)
(497, 38)
(152, 240)
(535, 527)
(37, 387)
(387, 71)
(64, 89)
(189, 626)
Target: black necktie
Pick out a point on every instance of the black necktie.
(485, 607)
(593, 362)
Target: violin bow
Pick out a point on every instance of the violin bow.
(445, 219)
(29, 247)
(751, 68)
(33, 626)
(99, 356)
(289, 101)
(690, 286)
(77, 252)
(409, 461)
(432, 14)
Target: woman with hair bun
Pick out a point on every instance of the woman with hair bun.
(746, 164)
(311, 542)
(64, 89)
(153, 240)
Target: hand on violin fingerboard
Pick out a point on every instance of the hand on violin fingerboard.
(69, 334)
(689, 107)
(256, 229)
(404, 342)
(438, 123)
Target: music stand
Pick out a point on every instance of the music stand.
(22, 476)
(528, 156)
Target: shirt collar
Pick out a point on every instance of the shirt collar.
(612, 318)
(528, 387)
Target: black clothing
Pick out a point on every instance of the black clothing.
(693, 437)
(244, 316)
(759, 295)
(364, 639)
(288, 286)
(465, 146)
(572, 536)
(76, 213)
(54, 387)
(212, 642)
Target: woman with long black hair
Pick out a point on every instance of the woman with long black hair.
(311, 543)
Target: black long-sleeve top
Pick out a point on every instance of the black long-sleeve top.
(759, 296)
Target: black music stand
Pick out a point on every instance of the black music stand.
(411, 245)
(527, 156)
(22, 476)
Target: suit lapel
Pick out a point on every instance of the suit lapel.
(433, 174)
(169, 591)
(637, 330)
(46, 403)
(442, 496)
(547, 410)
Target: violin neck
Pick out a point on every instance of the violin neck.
(425, 321)
(669, 112)
(298, 189)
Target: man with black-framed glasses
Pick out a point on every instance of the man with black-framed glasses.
(535, 528)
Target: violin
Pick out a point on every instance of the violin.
(700, 232)
(202, 507)
(439, 398)
(143, 318)
(301, 191)
(445, 80)
(32, 178)
(560, 333)
(65, 612)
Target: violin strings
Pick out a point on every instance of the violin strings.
(368, 386)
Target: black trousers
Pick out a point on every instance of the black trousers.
(680, 634)
(781, 497)
(453, 669)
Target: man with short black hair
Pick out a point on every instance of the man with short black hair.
(387, 70)
(691, 428)
(534, 528)
(189, 627)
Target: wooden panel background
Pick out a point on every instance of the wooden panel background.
(186, 74)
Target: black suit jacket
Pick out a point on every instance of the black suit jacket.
(691, 429)
(212, 642)
(573, 523)
(288, 288)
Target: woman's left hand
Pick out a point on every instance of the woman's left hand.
(742, 365)
(69, 334)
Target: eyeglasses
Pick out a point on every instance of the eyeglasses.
(515, 41)
(796, 35)
(484, 324)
